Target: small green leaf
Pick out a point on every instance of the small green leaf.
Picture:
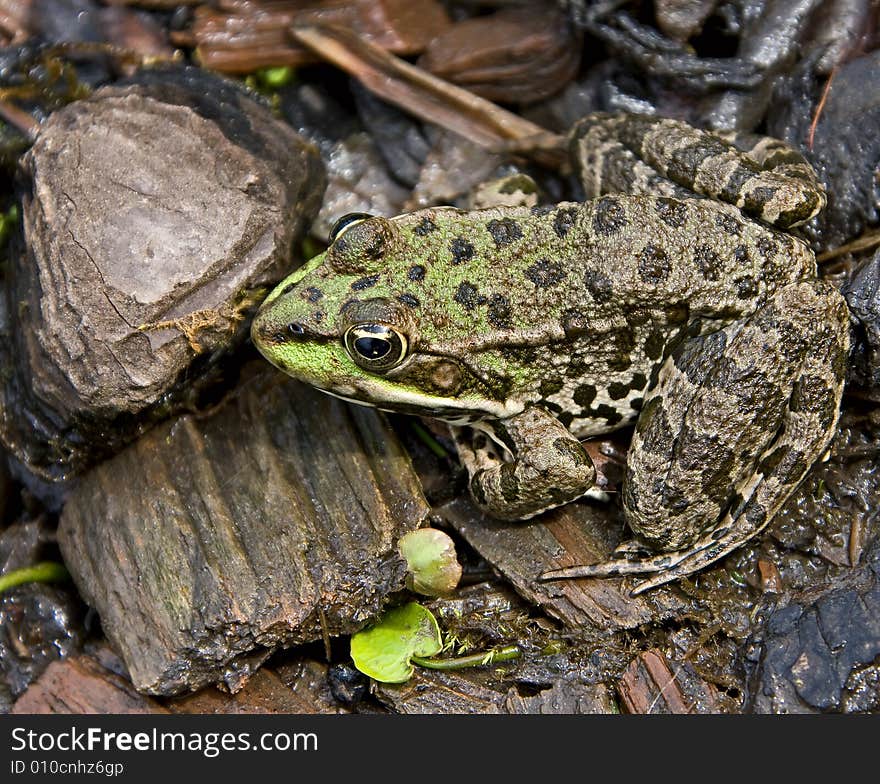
(383, 651)
(43, 572)
(434, 569)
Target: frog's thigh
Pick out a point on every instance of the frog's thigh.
(550, 467)
(744, 414)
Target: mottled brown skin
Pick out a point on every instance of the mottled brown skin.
(539, 327)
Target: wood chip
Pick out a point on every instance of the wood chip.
(652, 684)
(81, 685)
(271, 522)
(240, 36)
(576, 533)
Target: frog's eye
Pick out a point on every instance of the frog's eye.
(346, 222)
(375, 347)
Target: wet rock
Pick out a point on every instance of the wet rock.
(358, 181)
(347, 685)
(862, 292)
(80, 685)
(22, 543)
(451, 169)
(819, 655)
(400, 140)
(845, 151)
(680, 19)
(155, 215)
(315, 112)
(516, 55)
(39, 624)
(270, 522)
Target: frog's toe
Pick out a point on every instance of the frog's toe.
(634, 563)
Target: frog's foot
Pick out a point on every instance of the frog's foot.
(742, 414)
(549, 466)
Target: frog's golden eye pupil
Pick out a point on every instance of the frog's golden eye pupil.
(375, 347)
(346, 222)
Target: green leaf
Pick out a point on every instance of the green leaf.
(434, 569)
(43, 572)
(383, 651)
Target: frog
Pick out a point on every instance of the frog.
(675, 298)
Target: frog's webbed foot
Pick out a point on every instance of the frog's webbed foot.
(738, 418)
(549, 467)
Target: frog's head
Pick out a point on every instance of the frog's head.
(348, 323)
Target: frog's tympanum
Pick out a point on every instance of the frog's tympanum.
(683, 306)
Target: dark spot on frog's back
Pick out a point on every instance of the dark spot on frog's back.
(617, 391)
(584, 395)
(654, 264)
(673, 213)
(728, 223)
(611, 415)
(811, 394)
(416, 273)
(504, 231)
(708, 262)
(609, 216)
(467, 295)
(462, 251)
(425, 227)
(409, 300)
(746, 287)
(499, 311)
(599, 286)
(564, 220)
(313, 294)
(545, 273)
(767, 248)
(364, 283)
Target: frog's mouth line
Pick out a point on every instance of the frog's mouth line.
(457, 412)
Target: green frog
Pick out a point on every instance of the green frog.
(672, 297)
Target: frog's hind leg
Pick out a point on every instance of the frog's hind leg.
(782, 371)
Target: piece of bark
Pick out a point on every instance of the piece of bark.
(562, 699)
(243, 35)
(573, 534)
(155, 214)
(516, 55)
(271, 522)
(652, 684)
(431, 691)
(81, 685)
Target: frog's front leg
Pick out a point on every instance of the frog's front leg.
(549, 467)
(736, 420)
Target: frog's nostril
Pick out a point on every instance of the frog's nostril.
(296, 330)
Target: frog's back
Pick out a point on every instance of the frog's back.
(614, 251)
